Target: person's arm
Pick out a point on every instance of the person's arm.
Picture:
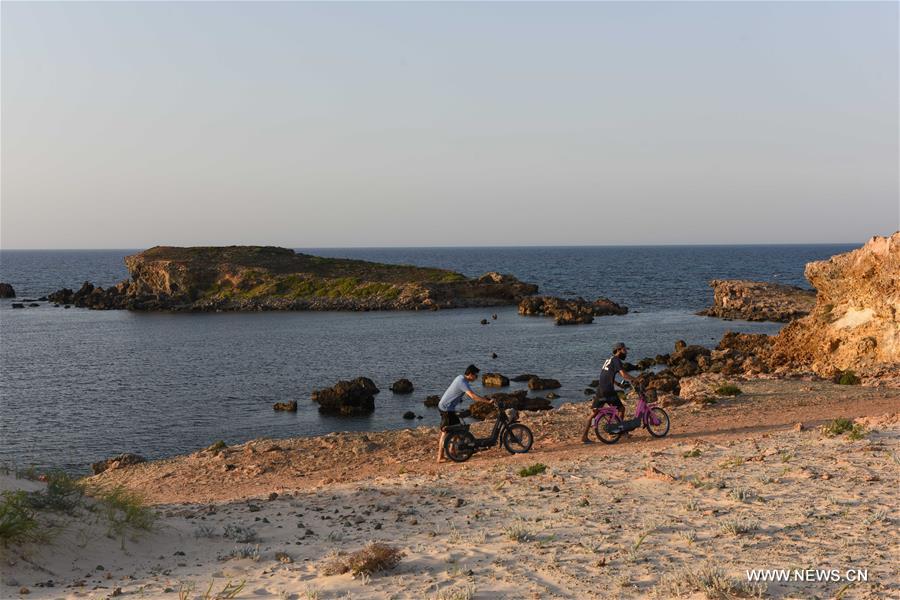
(476, 398)
(627, 377)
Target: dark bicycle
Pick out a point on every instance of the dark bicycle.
(460, 444)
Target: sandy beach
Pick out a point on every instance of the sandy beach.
(737, 485)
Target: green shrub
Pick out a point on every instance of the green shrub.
(857, 432)
(847, 378)
(837, 427)
(535, 469)
(125, 510)
(729, 390)
(17, 523)
(62, 493)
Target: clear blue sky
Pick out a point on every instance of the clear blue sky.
(402, 124)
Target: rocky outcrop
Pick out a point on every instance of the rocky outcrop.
(758, 301)
(253, 278)
(494, 380)
(518, 400)
(569, 311)
(7, 291)
(356, 397)
(540, 383)
(431, 401)
(855, 324)
(117, 462)
(290, 406)
(402, 386)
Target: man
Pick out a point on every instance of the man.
(606, 391)
(450, 401)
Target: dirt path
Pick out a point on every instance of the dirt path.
(263, 466)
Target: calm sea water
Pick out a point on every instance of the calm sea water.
(80, 385)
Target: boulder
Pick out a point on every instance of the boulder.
(551, 396)
(484, 321)
(758, 301)
(523, 377)
(431, 401)
(700, 388)
(7, 291)
(402, 386)
(483, 410)
(569, 311)
(494, 380)
(17, 305)
(855, 323)
(538, 383)
(347, 397)
(409, 415)
(589, 391)
(117, 462)
(290, 406)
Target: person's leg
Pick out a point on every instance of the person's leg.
(587, 428)
(440, 456)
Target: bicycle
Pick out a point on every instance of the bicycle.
(609, 427)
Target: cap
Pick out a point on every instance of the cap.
(620, 346)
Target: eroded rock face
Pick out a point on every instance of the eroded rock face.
(258, 278)
(356, 397)
(569, 311)
(117, 462)
(855, 324)
(494, 380)
(7, 291)
(758, 301)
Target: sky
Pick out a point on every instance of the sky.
(127, 125)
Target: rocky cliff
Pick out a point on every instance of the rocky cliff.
(855, 324)
(269, 278)
(758, 301)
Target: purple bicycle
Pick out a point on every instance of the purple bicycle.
(609, 427)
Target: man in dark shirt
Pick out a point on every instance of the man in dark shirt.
(606, 391)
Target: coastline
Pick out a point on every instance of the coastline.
(637, 516)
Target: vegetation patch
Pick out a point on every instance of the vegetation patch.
(17, 522)
(847, 378)
(729, 390)
(535, 469)
(125, 510)
(62, 493)
(373, 558)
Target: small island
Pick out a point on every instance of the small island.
(257, 278)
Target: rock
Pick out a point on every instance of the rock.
(493, 355)
(494, 380)
(701, 387)
(431, 401)
(645, 363)
(523, 377)
(34, 305)
(680, 345)
(595, 383)
(758, 301)
(402, 386)
(347, 397)
(538, 383)
(494, 317)
(569, 311)
(17, 305)
(409, 415)
(290, 406)
(518, 400)
(117, 462)
(7, 291)
(589, 391)
(484, 321)
(855, 323)
(551, 396)
(483, 410)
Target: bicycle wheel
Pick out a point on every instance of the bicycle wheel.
(459, 446)
(600, 428)
(661, 429)
(517, 439)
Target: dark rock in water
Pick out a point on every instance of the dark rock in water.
(538, 383)
(17, 305)
(28, 300)
(595, 383)
(89, 296)
(570, 311)
(117, 462)
(680, 345)
(290, 406)
(42, 299)
(645, 363)
(409, 415)
(34, 304)
(661, 359)
(67, 306)
(402, 386)
(494, 316)
(347, 397)
(493, 355)
(7, 291)
(518, 400)
(523, 377)
(431, 401)
(484, 321)
(551, 396)
(589, 392)
(494, 380)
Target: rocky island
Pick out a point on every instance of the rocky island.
(758, 301)
(254, 278)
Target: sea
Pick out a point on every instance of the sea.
(77, 386)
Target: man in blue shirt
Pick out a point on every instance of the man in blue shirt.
(451, 400)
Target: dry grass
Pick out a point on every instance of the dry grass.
(373, 558)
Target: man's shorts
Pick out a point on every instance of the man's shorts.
(612, 400)
(449, 419)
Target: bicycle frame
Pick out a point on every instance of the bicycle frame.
(496, 436)
(642, 411)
